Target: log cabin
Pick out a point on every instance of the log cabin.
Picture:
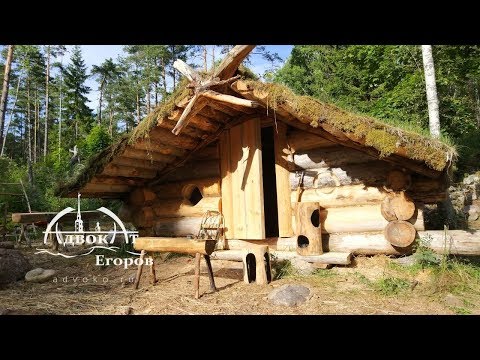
(285, 170)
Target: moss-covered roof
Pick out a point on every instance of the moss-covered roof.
(364, 130)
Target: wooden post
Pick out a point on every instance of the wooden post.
(152, 272)
(210, 273)
(282, 175)
(226, 174)
(139, 270)
(196, 281)
(308, 228)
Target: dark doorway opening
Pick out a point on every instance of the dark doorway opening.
(269, 183)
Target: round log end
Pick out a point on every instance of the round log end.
(398, 180)
(400, 233)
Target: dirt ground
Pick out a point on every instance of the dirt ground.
(81, 287)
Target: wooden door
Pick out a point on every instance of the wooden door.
(242, 182)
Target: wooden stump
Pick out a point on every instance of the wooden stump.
(398, 206)
(308, 228)
(256, 265)
(400, 233)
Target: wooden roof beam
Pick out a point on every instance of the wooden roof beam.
(151, 154)
(138, 162)
(128, 171)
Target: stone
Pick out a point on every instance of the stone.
(405, 260)
(472, 212)
(125, 310)
(302, 267)
(452, 300)
(289, 295)
(39, 275)
(13, 265)
(471, 179)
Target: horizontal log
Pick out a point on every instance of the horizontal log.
(172, 227)
(372, 173)
(194, 170)
(191, 131)
(128, 171)
(166, 137)
(217, 115)
(147, 155)
(138, 162)
(300, 140)
(341, 196)
(325, 258)
(112, 180)
(207, 187)
(229, 99)
(332, 157)
(172, 208)
(363, 218)
(94, 188)
(275, 243)
(459, 242)
(28, 218)
(158, 147)
(225, 109)
(125, 212)
(176, 245)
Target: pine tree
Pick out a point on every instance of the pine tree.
(77, 113)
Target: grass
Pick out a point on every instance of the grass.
(391, 285)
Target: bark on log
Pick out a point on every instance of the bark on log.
(338, 156)
(28, 218)
(208, 187)
(357, 219)
(177, 245)
(208, 153)
(117, 181)
(397, 206)
(400, 233)
(195, 170)
(229, 99)
(372, 173)
(151, 146)
(166, 137)
(179, 207)
(336, 258)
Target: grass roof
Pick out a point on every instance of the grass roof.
(386, 138)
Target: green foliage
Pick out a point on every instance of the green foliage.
(281, 268)
(391, 285)
(97, 140)
(424, 255)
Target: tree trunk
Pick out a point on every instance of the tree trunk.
(110, 127)
(155, 84)
(35, 126)
(47, 80)
(10, 117)
(138, 108)
(29, 122)
(6, 81)
(100, 98)
(432, 98)
(148, 100)
(205, 65)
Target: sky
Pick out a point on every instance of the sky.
(96, 54)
